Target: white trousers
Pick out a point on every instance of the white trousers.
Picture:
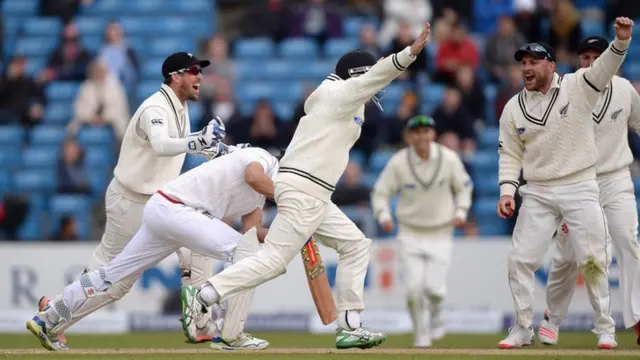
(542, 209)
(166, 227)
(619, 204)
(124, 219)
(299, 216)
(424, 264)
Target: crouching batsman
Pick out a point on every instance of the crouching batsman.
(186, 212)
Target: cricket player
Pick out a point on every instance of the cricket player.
(617, 109)
(435, 195)
(547, 131)
(153, 149)
(185, 212)
(311, 167)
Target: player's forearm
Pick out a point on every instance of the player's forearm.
(463, 202)
(166, 146)
(606, 66)
(380, 205)
(360, 89)
(509, 174)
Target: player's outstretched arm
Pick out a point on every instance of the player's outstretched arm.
(596, 77)
(463, 189)
(256, 177)
(387, 185)
(510, 150)
(358, 90)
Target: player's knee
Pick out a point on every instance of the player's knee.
(521, 261)
(360, 249)
(119, 290)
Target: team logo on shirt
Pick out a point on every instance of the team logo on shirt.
(563, 111)
(410, 186)
(358, 120)
(615, 115)
(156, 122)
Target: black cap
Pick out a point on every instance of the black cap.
(420, 121)
(539, 50)
(597, 43)
(181, 61)
(355, 63)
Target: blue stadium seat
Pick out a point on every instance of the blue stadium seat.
(351, 25)
(192, 161)
(298, 48)
(487, 185)
(276, 69)
(631, 70)
(57, 114)
(99, 157)
(250, 69)
(35, 180)
(183, 26)
(167, 45)
(49, 27)
(98, 179)
(152, 71)
(489, 139)
(196, 111)
(78, 206)
(6, 183)
(379, 160)
(95, 136)
(10, 157)
(137, 26)
(35, 65)
(369, 179)
(147, 88)
(92, 43)
(35, 46)
(47, 135)
(432, 93)
(335, 48)
(485, 162)
(200, 7)
(490, 94)
(12, 135)
(309, 70)
(493, 226)
(32, 229)
(19, 7)
(484, 207)
(107, 7)
(291, 92)
(36, 157)
(145, 7)
(140, 46)
(91, 25)
(592, 28)
(62, 91)
(260, 48)
(284, 110)
(252, 91)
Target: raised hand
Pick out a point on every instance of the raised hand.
(422, 40)
(623, 27)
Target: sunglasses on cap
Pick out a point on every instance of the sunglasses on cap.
(193, 70)
(536, 50)
(419, 121)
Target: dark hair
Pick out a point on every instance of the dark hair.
(168, 80)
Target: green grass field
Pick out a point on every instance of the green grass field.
(294, 346)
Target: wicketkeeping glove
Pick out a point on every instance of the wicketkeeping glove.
(208, 137)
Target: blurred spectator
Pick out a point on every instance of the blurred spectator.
(13, 211)
(21, 97)
(351, 191)
(315, 19)
(404, 38)
(119, 57)
(454, 124)
(463, 9)
(512, 86)
(565, 32)
(500, 47)
(615, 8)
(263, 129)
(407, 109)
(472, 92)
(527, 19)
(216, 50)
(442, 27)
(73, 177)
(222, 104)
(69, 61)
(63, 9)
(265, 18)
(67, 230)
(414, 13)
(454, 52)
(368, 40)
(365, 8)
(101, 100)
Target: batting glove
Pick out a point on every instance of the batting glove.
(209, 136)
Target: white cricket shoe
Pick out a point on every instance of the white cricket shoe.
(607, 341)
(422, 341)
(518, 337)
(438, 330)
(548, 333)
(243, 342)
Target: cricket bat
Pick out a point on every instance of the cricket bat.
(318, 282)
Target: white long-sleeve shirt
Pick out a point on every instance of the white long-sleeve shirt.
(432, 192)
(154, 145)
(219, 187)
(617, 110)
(551, 136)
(319, 151)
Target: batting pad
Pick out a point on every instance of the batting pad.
(238, 306)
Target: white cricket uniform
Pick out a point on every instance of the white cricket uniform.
(432, 193)
(152, 153)
(309, 171)
(551, 138)
(616, 111)
(186, 212)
